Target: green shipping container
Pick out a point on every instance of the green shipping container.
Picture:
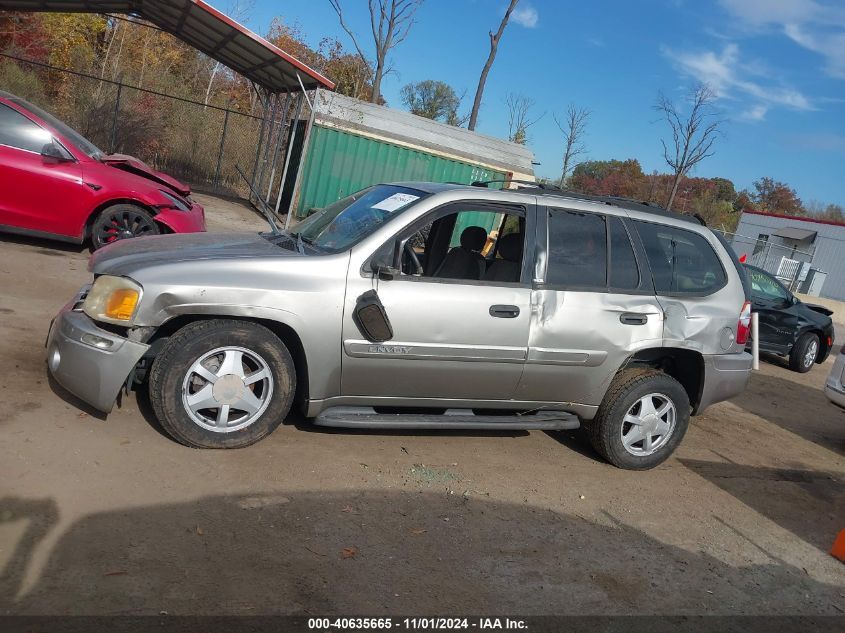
(339, 163)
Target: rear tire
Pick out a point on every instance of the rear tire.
(659, 405)
(804, 354)
(120, 222)
(222, 384)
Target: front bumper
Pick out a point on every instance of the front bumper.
(192, 221)
(725, 376)
(834, 388)
(92, 374)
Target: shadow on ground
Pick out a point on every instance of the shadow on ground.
(797, 408)
(808, 503)
(377, 553)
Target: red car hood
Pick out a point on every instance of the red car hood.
(139, 167)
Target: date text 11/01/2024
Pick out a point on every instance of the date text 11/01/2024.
(415, 624)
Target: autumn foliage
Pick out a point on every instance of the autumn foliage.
(715, 199)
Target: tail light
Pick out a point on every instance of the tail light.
(743, 328)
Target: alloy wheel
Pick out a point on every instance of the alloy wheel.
(648, 424)
(123, 224)
(227, 389)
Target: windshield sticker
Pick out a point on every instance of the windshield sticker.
(396, 202)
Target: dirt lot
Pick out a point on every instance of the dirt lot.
(109, 516)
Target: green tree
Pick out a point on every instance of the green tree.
(830, 212)
(432, 99)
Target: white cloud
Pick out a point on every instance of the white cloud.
(730, 78)
(812, 24)
(830, 45)
(755, 113)
(766, 12)
(525, 16)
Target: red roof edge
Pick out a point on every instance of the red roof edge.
(797, 218)
(245, 31)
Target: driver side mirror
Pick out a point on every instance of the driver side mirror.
(52, 153)
(371, 318)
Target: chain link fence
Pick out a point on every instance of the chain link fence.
(200, 144)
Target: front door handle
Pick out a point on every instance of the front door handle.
(633, 318)
(504, 312)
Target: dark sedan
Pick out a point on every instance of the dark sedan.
(802, 332)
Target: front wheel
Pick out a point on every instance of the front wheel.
(222, 384)
(804, 354)
(121, 222)
(642, 419)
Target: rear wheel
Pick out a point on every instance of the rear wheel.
(642, 419)
(121, 222)
(222, 384)
(804, 354)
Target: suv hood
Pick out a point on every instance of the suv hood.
(140, 168)
(125, 257)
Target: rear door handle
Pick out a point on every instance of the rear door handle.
(504, 312)
(633, 318)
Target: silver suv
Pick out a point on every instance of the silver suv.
(424, 306)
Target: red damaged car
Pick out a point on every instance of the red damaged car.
(55, 183)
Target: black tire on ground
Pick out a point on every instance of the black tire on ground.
(798, 357)
(120, 222)
(631, 385)
(185, 347)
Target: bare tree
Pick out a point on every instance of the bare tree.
(519, 119)
(239, 10)
(692, 136)
(573, 127)
(482, 80)
(390, 22)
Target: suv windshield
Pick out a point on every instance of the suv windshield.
(346, 222)
(82, 143)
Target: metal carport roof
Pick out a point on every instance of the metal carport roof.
(206, 29)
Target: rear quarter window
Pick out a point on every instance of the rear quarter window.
(682, 262)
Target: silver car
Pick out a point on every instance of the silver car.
(420, 305)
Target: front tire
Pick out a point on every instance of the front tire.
(222, 384)
(641, 420)
(804, 354)
(120, 222)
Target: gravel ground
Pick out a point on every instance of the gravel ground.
(108, 516)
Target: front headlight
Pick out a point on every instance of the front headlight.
(175, 201)
(112, 300)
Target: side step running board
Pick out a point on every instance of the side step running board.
(366, 417)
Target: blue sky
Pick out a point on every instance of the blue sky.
(778, 67)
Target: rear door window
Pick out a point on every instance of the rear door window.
(682, 262)
(577, 249)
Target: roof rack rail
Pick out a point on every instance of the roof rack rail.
(627, 203)
(529, 184)
(545, 189)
